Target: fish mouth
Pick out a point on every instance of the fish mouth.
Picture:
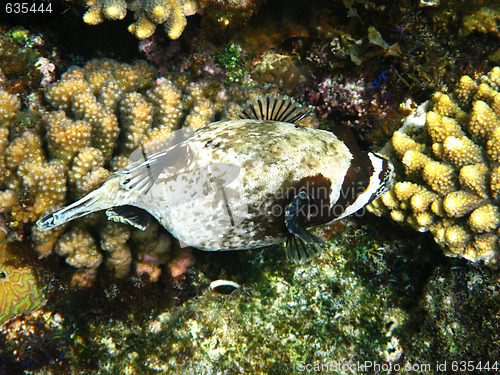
(80, 208)
(46, 223)
(390, 178)
(387, 177)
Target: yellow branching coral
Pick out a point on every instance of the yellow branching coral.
(451, 184)
(137, 118)
(79, 248)
(148, 14)
(9, 105)
(66, 137)
(166, 98)
(114, 237)
(461, 151)
(403, 143)
(484, 219)
(440, 177)
(42, 187)
(440, 127)
(201, 114)
(25, 147)
(474, 178)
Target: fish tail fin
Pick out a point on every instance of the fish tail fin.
(88, 204)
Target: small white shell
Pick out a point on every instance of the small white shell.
(223, 287)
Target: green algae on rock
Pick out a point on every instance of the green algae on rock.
(456, 315)
(281, 316)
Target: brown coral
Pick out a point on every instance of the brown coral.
(453, 180)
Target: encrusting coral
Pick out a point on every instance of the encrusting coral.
(148, 14)
(452, 168)
(99, 115)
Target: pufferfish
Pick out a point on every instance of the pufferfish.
(247, 183)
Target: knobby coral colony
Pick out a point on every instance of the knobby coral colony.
(148, 14)
(451, 180)
(99, 114)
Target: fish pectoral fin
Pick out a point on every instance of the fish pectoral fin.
(298, 251)
(142, 176)
(302, 244)
(275, 108)
(129, 215)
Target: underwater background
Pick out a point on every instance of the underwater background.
(411, 287)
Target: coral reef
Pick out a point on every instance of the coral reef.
(19, 289)
(346, 101)
(288, 73)
(295, 309)
(99, 114)
(379, 292)
(9, 106)
(29, 340)
(363, 290)
(148, 14)
(483, 20)
(450, 182)
(455, 312)
(394, 52)
(25, 63)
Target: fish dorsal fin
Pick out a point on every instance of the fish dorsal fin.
(274, 108)
(129, 215)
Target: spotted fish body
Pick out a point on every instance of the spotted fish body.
(274, 159)
(243, 184)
